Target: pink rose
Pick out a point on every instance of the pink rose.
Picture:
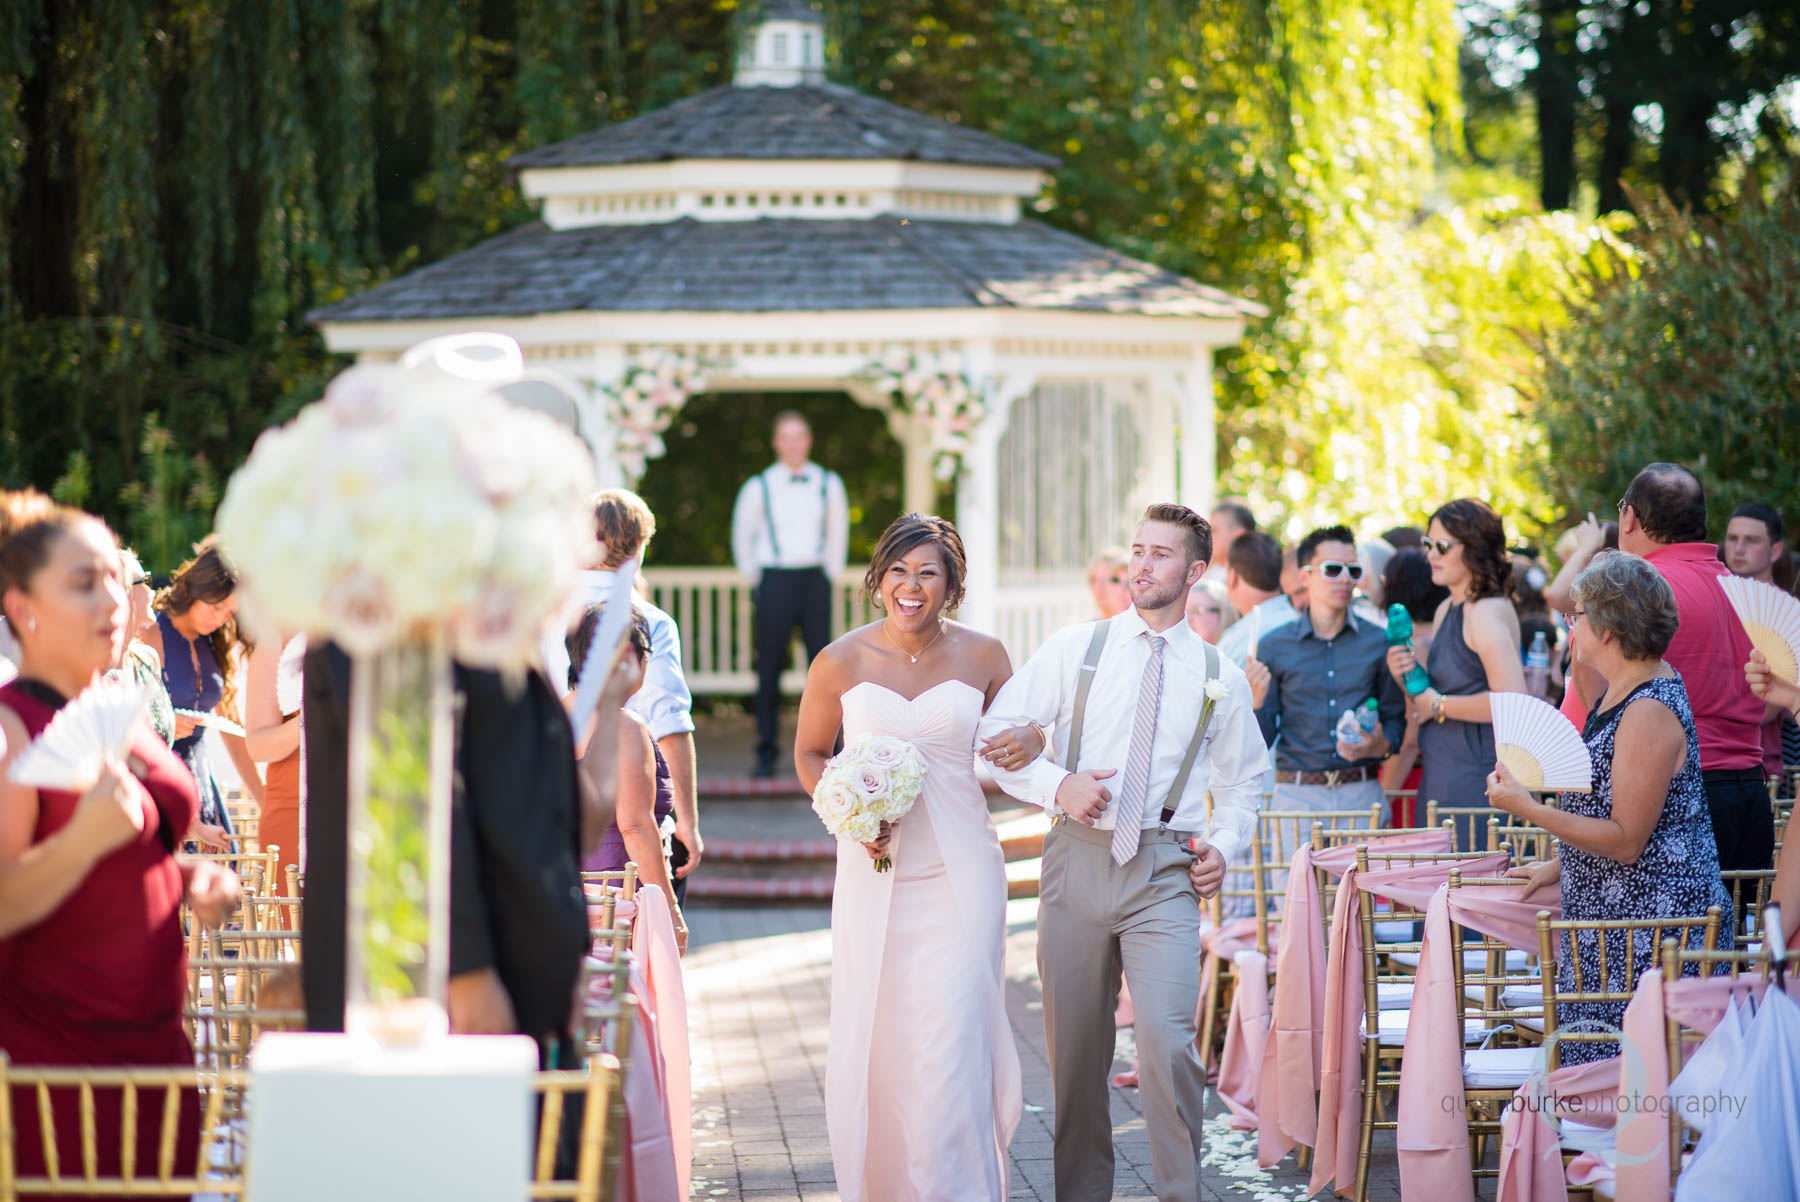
(871, 784)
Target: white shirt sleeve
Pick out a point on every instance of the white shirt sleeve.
(664, 702)
(746, 523)
(1237, 757)
(1035, 694)
(837, 526)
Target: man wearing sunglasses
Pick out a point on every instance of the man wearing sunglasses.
(1309, 671)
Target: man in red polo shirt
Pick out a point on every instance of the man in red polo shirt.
(1663, 518)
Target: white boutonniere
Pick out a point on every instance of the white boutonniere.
(1216, 690)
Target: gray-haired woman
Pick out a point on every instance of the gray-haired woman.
(1640, 845)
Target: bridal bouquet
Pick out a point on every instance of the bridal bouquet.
(874, 779)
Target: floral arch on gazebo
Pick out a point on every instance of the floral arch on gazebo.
(784, 233)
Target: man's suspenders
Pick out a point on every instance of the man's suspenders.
(1090, 664)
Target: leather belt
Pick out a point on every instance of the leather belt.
(1332, 779)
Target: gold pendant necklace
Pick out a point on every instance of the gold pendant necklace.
(903, 650)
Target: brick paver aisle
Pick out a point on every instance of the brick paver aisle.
(759, 982)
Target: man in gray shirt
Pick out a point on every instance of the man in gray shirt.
(1308, 672)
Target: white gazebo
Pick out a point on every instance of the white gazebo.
(784, 233)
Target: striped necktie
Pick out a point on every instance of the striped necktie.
(1129, 818)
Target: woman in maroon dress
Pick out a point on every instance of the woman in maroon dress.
(91, 961)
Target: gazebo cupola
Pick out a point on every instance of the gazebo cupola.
(786, 233)
(786, 47)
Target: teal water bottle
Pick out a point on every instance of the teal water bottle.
(1399, 634)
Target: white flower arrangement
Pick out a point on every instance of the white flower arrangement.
(643, 404)
(874, 779)
(409, 500)
(938, 390)
(1216, 690)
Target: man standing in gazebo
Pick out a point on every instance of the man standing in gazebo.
(790, 535)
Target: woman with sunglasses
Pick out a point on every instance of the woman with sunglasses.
(1474, 652)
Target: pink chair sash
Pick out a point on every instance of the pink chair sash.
(1531, 1165)
(1292, 1053)
(1340, 1079)
(649, 1172)
(665, 995)
(1433, 1140)
(1240, 1061)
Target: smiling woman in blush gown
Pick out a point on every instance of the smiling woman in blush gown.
(922, 1078)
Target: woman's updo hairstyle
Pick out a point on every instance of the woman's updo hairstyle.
(908, 532)
(1478, 528)
(30, 525)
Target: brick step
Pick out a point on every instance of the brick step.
(1022, 878)
(743, 851)
(759, 889)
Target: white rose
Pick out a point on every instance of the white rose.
(886, 751)
(871, 785)
(1216, 690)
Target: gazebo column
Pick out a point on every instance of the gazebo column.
(913, 433)
(978, 507)
(1197, 436)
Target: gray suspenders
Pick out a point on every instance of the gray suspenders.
(769, 512)
(1090, 664)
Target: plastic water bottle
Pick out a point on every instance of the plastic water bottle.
(1358, 724)
(1399, 634)
(1537, 666)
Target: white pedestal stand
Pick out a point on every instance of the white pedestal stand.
(332, 1116)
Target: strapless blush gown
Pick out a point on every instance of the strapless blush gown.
(922, 1076)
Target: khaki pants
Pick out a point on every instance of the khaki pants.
(1094, 918)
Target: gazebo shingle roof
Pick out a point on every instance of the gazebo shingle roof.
(773, 265)
(815, 121)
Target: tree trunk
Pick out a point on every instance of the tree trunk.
(1616, 144)
(1553, 82)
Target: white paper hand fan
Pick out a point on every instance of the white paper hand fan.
(1538, 744)
(70, 752)
(1771, 618)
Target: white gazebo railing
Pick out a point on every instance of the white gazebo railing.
(713, 610)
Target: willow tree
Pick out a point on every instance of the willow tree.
(181, 182)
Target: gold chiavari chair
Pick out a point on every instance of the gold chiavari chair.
(1327, 882)
(1527, 844)
(256, 870)
(1257, 892)
(141, 1172)
(1469, 823)
(1403, 807)
(599, 1128)
(273, 913)
(1386, 994)
(1618, 965)
(1503, 1004)
(248, 982)
(245, 813)
(1749, 889)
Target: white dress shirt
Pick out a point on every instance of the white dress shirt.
(1274, 613)
(664, 702)
(811, 522)
(1233, 755)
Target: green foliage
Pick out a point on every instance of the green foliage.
(1388, 383)
(169, 508)
(1686, 348)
